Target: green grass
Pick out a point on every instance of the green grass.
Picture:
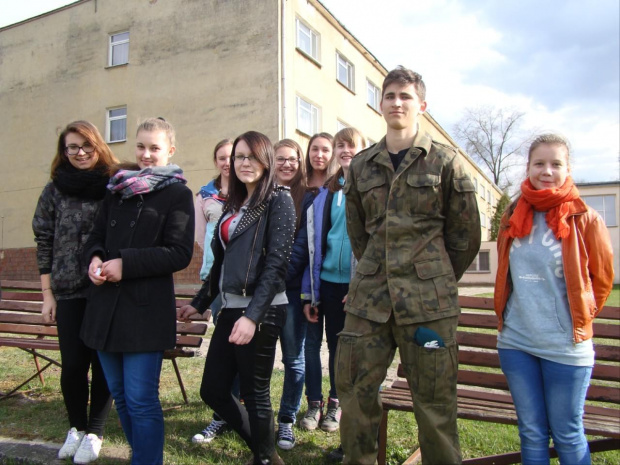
(39, 413)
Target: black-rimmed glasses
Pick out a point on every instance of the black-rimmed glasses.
(242, 158)
(293, 161)
(73, 149)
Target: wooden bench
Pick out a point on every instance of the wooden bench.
(483, 393)
(22, 326)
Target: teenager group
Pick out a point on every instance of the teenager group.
(363, 245)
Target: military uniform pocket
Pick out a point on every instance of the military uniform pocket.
(424, 198)
(433, 378)
(437, 286)
(373, 192)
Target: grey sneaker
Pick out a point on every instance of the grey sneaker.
(215, 428)
(313, 416)
(70, 447)
(286, 436)
(331, 422)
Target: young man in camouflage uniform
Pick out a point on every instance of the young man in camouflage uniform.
(414, 226)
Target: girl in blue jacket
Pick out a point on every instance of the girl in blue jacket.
(326, 281)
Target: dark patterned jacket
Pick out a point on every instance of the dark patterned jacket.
(414, 231)
(61, 226)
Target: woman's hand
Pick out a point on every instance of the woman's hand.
(243, 331)
(48, 310)
(311, 313)
(95, 271)
(184, 312)
(113, 270)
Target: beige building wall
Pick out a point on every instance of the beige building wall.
(210, 67)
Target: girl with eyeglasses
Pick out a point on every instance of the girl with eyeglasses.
(63, 220)
(291, 172)
(143, 234)
(251, 253)
(326, 280)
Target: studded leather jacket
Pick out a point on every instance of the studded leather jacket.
(256, 256)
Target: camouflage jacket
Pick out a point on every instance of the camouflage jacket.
(414, 231)
(61, 225)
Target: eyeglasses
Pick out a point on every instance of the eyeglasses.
(293, 161)
(242, 158)
(75, 149)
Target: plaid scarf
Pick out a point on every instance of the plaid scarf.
(129, 183)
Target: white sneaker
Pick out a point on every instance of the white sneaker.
(89, 449)
(70, 447)
(215, 428)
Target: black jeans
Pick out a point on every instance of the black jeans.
(254, 364)
(76, 361)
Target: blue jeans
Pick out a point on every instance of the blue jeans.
(549, 398)
(331, 311)
(133, 379)
(292, 340)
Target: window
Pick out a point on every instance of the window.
(374, 96)
(345, 72)
(481, 191)
(605, 205)
(476, 184)
(488, 196)
(307, 117)
(482, 263)
(307, 40)
(340, 125)
(116, 125)
(483, 220)
(119, 49)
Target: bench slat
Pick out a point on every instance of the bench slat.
(33, 330)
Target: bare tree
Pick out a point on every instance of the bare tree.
(493, 137)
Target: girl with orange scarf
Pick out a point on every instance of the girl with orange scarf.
(555, 272)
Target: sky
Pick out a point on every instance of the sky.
(557, 61)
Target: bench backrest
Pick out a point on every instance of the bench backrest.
(20, 314)
(479, 362)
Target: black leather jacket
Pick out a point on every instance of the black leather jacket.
(256, 256)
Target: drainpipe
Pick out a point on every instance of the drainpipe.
(283, 68)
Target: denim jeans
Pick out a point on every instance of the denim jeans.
(549, 398)
(331, 311)
(292, 341)
(133, 378)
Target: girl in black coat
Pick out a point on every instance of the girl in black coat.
(251, 251)
(144, 233)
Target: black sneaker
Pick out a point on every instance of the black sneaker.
(337, 455)
(286, 436)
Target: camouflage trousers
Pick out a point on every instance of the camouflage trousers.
(365, 351)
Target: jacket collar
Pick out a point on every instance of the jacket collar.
(421, 146)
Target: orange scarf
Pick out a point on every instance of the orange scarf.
(554, 201)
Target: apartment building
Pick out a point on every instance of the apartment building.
(214, 68)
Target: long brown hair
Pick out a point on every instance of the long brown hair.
(89, 132)
(330, 166)
(298, 184)
(353, 137)
(262, 148)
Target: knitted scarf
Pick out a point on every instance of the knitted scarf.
(86, 184)
(554, 201)
(129, 183)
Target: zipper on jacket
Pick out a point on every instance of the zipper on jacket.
(247, 275)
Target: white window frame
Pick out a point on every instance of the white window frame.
(313, 38)
(112, 44)
(373, 96)
(475, 265)
(340, 125)
(111, 119)
(609, 221)
(349, 68)
(312, 111)
(483, 220)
